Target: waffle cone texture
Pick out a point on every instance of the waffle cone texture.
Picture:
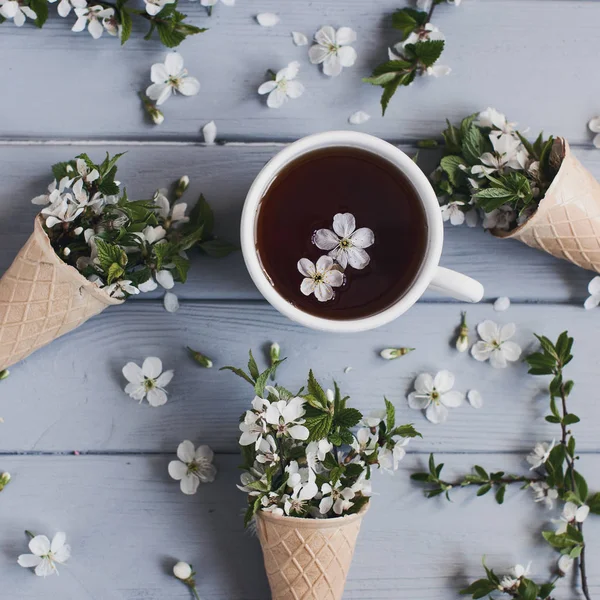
(307, 559)
(567, 221)
(42, 298)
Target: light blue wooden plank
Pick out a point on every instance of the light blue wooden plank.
(224, 174)
(128, 523)
(69, 396)
(496, 58)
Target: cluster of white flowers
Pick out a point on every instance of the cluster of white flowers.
(346, 246)
(509, 154)
(332, 49)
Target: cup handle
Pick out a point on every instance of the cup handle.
(456, 285)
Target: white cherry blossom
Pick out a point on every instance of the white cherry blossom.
(453, 212)
(120, 288)
(171, 77)
(320, 279)
(571, 515)
(153, 7)
(303, 483)
(268, 453)
(193, 467)
(493, 119)
(435, 395)
(426, 33)
(508, 152)
(45, 554)
(175, 215)
(63, 209)
(500, 218)
(495, 344)
(283, 87)
(374, 418)
(565, 564)
(594, 298)
(540, 454)
(335, 497)
(213, 2)
(65, 6)
(286, 418)
(594, 126)
(333, 49)
(389, 458)
(92, 17)
(543, 493)
(147, 381)
(346, 243)
(512, 580)
(15, 10)
(254, 425)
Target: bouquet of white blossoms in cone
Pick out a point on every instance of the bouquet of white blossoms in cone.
(92, 247)
(300, 455)
(124, 247)
(536, 192)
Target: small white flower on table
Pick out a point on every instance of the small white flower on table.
(193, 467)
(321, 278)
(571, 515)
(45, 555)
(92, 17)
(12, 9)
(283, 86)
(148, 381)
(513, 579)
(594, 290)
(540, 454)
(169, 78)
(346, 243)
(153, 7)
(495, 344)
(435, 395)
(333, 49)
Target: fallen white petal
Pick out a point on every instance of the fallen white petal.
(475, 399)
(502, 304)
(171, 302)
(209, 131)
(299, 38)
(347, 369)
(267, 19)
(359, 117)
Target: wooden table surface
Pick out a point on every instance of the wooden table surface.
(88, 460)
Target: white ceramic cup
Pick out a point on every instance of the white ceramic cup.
(430, 275)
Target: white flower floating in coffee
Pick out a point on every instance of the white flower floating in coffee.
(193, 467)
(169, 78)
(333, 50)
(346, 243)
(282, 86)
(435, 395)
(148, 381)
(321, 278)
(495, 344)
(46, 555)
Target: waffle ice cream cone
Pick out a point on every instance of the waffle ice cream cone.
(307, 559)
(567, 221)
(42, 298)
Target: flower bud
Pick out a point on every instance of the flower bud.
(4, 374)
(182, 185)
(565, 563)
(66, 251)
(4, 479)
(200, 358)
(156, 116)
(391, 353)
(78, 230)
(462, 342)
(182, 571)
(275, 352)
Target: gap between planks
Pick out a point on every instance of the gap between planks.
(193, 141)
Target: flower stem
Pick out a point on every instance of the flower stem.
(193, 588)
(505, 480)
(571, 468)
(31, 535)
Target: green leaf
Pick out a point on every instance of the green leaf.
(451, 166)
(484, 489)
(319, 426)
(528, 590)
(315, 390)
(126, 25)
(581, 486)
(182, 266)
(40, 8)
(382, 79)
(239, 373)
(201, 215)
(570, 418)
(109, 254)
(552, 419)
(347, 417)
(480, 588)
(473, 144)
(407, 20)
(405, 431)
(115, 272)
(452, 138)
(594, 503)
(428, 52)
(546, 589)
(390, 415)
(252, 366)
(500, 493)
(481, 472)
(388, 92)
(420, 476)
